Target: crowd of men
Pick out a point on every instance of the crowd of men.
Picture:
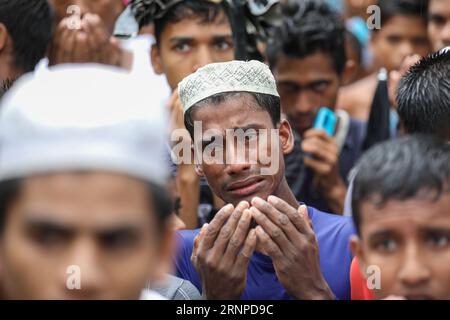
(102, 102)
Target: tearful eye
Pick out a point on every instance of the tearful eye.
(117, 241)
(387, 245)
(438, 241)
(320, 86)
(223, 45)
(182, 47)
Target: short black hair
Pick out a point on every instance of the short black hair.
(393, 8)
(309, 27)
(159, 195)
(29, 24)
(267, 102)
(414, 166)
(203, 10)
(424, 96)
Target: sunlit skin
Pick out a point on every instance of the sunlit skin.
(410, 242)
(439, 23)
(398, 38)
(102, 222)
(235, 182)
(108, 10)
(190, 44)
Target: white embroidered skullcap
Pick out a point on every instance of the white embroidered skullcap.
(82, 117)
(234, 76)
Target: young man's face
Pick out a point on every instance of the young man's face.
(305, 85)
(410, 243)
(102, 223)
(239, 179)
(398, 38)
(190, 44)
(108, 10)
(439, 23)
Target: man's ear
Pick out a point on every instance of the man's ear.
(167, 248)
(348, 72)
(156, 60)
(358, 252)
(3, 36)
(197, 167)
(199, 170)
(286, 136)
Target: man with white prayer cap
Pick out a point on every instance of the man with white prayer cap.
(264, 244)
(84, 206)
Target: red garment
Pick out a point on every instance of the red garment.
(358, 283)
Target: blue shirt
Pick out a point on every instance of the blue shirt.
(300, 178)
(333, 234)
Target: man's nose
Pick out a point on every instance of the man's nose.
(303, 103)
(445, 35)
(236, 158)
(414, 271)
(91, 274)
(406, 49)
(203, 57)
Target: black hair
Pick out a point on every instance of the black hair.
(29, 24)
(309, 27)
(267, 102)
(393, 8)
(415, 166)
(203, 10)
(159, 195)
(424, 96)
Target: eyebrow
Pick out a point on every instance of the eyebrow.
(51, 224)
(381, 234)
(179, 39)
(48, 224)
(436, 230)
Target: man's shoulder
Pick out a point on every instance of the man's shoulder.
(324, 222)
(187, 236)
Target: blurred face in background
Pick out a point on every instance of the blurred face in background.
(409, 241)
(108, 10)
(439, 23)
(399, 37)
(190, 44)
(305, 85)
(104, 224)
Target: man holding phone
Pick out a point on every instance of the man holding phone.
(309, 63)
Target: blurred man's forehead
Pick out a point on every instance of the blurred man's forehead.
(416, 213)
(188, 28)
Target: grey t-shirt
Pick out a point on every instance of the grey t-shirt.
(177, 289)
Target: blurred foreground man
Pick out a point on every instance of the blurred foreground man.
(84, 210)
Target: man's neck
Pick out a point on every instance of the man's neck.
(8, 72)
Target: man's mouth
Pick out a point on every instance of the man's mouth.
(246, 187)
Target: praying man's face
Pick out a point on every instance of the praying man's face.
(232, 176)
(404, 247)
(80, 236)
(190, 44)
